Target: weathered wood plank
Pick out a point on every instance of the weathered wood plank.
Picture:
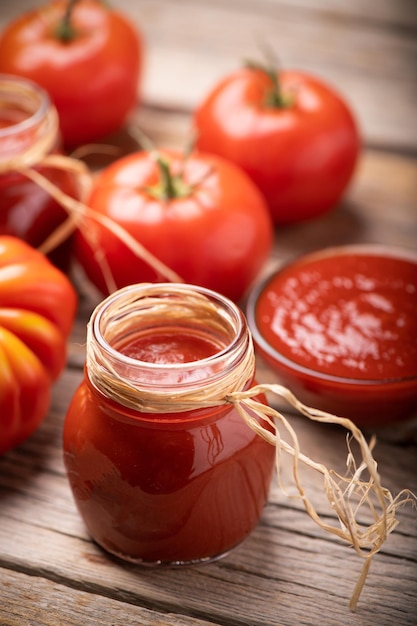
(400, 13)
(66, 606)
(274, 571)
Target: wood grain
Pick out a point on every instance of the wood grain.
(47, 603)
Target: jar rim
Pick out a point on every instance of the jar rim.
(29, 89)
(165, 289)
(154, 387)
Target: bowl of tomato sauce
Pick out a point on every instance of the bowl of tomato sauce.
(339, 328)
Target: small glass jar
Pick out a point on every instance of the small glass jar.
(163, 470)
(29, 132)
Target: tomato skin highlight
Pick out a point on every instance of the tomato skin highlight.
(93, 79)
(218, 235)
(37, 310)
(301, 156)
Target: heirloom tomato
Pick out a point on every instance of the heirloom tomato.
(293, 134)
(87, 57)
(37, 308)
(201, 216)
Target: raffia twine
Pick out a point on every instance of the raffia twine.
(181, 306)
(38, 155)
(347, 494)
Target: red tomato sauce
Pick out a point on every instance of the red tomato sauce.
(27, 210)
(352, 315)
(169, 346)
(179, 487)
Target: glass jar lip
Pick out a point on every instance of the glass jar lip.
(167, 289)
(259, 290)
(31, 89)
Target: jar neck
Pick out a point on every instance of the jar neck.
(167, 382)
(29, 126)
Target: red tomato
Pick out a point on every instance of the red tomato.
(37, 309)
(293, 135)
(91, 69)
(208, 223)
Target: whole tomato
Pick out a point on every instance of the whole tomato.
(201, 216)
(37, 309)
(87, 57)
(294, 135)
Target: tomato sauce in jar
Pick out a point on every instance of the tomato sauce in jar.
(340, 328)
(166, 483)
(29, 132)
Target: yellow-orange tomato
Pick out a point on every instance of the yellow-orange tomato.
(37, 309)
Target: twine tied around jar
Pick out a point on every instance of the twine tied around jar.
(180, 305)
(348, 495)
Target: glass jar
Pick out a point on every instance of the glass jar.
(29, 132)
(162, 468)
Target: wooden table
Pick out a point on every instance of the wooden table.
(288, 572)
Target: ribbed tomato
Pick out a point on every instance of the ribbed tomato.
(37, 309)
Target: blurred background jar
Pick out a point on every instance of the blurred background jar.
(29, 132)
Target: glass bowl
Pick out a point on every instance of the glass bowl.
(339, 328)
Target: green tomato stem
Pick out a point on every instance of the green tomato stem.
(65, 31)
(167, 180)
(170, 186)
(274, 98)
